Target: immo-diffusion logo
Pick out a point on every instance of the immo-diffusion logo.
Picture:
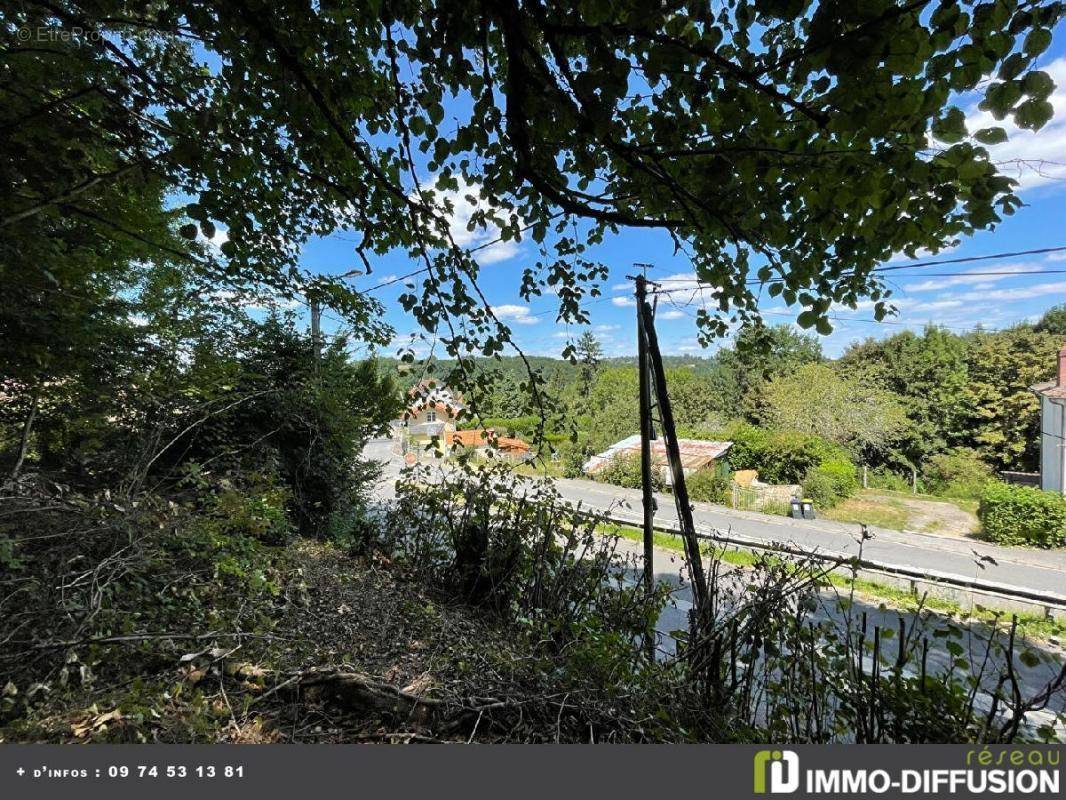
(782, 766)
(1013, 771)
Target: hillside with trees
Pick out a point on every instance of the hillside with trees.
(194, 547)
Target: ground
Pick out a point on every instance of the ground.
(902, 511)
(356, 652)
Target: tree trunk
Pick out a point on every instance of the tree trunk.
(24, 443)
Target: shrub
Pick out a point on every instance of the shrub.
(624, 470)
(882, 478)
(778, 456)
(830, 482)
(572, 457)
(708, 486)
(957, 473)
(1016, 515)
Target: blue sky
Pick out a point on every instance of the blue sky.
(960, 302)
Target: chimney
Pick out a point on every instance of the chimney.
(1062, 366)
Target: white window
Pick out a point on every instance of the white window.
(431, 416)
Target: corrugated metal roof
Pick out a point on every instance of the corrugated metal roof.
(695, 453)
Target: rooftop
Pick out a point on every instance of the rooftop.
(695, 453)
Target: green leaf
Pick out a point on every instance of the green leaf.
(951, 127)
(1029, 658)
(1037, 41)
(991, 136)
(1033, 114)
(188, 230)
(1038, 84)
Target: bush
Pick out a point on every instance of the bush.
(572, 457)
(624, 470)
(830, 482)
(957, 473)
(1023, 515)
(778, 456)
(708, 486)
(882, 478)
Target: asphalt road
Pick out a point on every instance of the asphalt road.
(1041, 570)
(1038, 571)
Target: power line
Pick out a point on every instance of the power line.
(916, 265)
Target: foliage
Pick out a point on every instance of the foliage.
(816, 399)
(830, 482)
(760, 353)
(792, 169)
(956, 473)
(1053, 321)
(512, 545)
(1022, 515)
(574, 455)
(778, 456)
(624, 470)
(614, 407)
(882, 478)
(929, 372)
(709, 486)
(1005, 422)
(589, 353)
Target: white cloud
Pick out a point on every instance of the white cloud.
(1026, 156)
(606, 328)
(933, 305)
(623, 301)
(510, 312)
(497, 251)
(483, 239)
(921, 254)
(672, 313)
(1017, 293)
(975, 275)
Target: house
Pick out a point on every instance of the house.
(696, 455)
(431, 415)
(486, 443)
(1052, 396)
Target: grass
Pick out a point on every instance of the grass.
(1032, 626)
(892, 514)
(887, 508)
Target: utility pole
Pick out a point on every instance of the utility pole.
(316, 330)
(673, 452)
(646, 435)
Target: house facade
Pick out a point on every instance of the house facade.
(1052, 396)
(431, 416)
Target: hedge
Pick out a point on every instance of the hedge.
(709, 486)
(830, 482)
(624, 470)
(778, 456)
(1023, 515)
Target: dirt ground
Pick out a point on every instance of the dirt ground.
(905, 512)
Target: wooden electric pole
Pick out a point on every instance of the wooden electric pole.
(650, 354)
(646, 433)
(316, 330)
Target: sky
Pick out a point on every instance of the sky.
(1028, 286)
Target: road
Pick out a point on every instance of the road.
(1038, 570)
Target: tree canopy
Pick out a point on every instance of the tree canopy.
(791, 145)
